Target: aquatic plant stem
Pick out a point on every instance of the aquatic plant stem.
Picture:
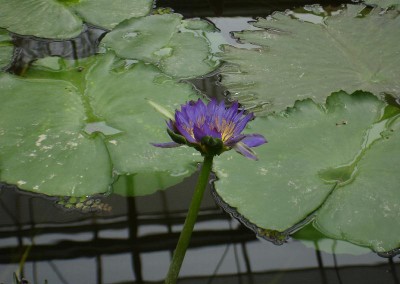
(184, 238)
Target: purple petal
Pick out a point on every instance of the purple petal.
(242, 123)
(181, 123)
(170, 125)
(254, 140)
(232, 111)
(212, 107)
(198, 133)
(242, 148)
(185, 133)
(166, 145)
(232, 141)
(212, 132)
(190, 112)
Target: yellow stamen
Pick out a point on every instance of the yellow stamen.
(227, 130)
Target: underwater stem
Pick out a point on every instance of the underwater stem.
(191, 217)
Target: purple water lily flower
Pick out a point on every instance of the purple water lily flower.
(212, 129)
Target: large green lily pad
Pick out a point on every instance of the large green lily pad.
(315, 155)
(42, 146)
(59, 137)
(58, 19)
(298, 60)
(6, 48)
(179, 48)
(374, 193)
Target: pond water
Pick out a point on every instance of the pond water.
(115, 239)
(130, 240)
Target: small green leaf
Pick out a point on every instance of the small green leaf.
(157, 39)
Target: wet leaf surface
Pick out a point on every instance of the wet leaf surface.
(297, 59)
(47, 147)
(315, 155)
(64, 19)
(179, 48)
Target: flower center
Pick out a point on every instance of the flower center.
(226, 128)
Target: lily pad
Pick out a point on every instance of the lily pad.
(384, 3)
(313, 238)
(108, 14)
(373, 193)
(6, 48)
(314, 155)
(59, 138)
(58, 19)
(119, 97)
(42, 147)
(297, 60)
(164, 40)
(41, 18)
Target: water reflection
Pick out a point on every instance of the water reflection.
(133, 242)
(27, 48)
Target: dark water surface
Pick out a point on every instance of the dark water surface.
(113, 239)
(130, 240)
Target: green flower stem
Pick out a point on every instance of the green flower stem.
(191, 217)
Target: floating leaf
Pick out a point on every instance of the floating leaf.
(298, 60)
(68, 138)
(384, 3)
(313, 238)
(164, 40)
(370, 205)
(315, 153)
(6, 48)
(41, 18)
(42, 146)
(57, 19)
(120, 99)
(107, 14)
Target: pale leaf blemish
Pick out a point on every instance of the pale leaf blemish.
(263, 171)
(72, 144)
(114, 142)
(41, 138)
(46, 148)
(295, 200)
(21, 182)
(222, 174)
